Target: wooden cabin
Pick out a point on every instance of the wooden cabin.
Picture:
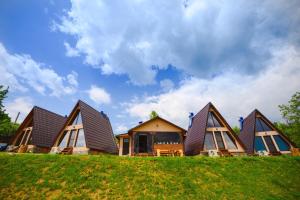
(261, 137)
(37, 132)
(86, 131)
(210, 134)
(155, 137)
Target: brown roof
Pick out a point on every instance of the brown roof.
(157, 117)
(97, 128)
(45, 126)
(194, 142)
(247, 134)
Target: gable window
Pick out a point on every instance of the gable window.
(25, 137)
(73, 135)
(282, 145)
(261, 126)
(209, 142)
(259, 144)
(229, 141)
(212, 120)
(219, 140)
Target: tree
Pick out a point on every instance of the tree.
(153, 114)
(291, 114)
(236, 130)
(6, 126)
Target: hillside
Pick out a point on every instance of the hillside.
(112, 177)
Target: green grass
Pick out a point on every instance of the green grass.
(32, 176)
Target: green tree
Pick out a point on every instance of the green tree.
(291, 114)
(6, 126)
(153, 114)
(236, 130)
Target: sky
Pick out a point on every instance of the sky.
(127, 58)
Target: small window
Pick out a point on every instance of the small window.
(219, 140)
(212, 120)
(209, 141)
(229, 141)
(77, 120)
(259, 144)
(282, 145)
(72, 138)
(64, 139)
(261, 126)
(80, 139)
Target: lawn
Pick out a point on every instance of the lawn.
(33, 176)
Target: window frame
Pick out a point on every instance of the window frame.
(271, 134)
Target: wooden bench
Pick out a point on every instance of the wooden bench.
(67, 151)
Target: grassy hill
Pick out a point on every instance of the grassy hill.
(111, 177)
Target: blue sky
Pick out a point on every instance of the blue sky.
(130, 57)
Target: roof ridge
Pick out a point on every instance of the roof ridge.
(40, 108)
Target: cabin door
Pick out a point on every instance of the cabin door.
(125, 146)
(143, 141)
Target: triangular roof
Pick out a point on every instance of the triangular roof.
(45, 126)
(194, 141)
(247, 134)
(97, 128)
(153, 119)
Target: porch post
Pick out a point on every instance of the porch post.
(121, 147)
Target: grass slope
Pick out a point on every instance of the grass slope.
(111, 177)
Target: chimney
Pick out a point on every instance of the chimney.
(241, 120)
(191, 116)
(140, 122)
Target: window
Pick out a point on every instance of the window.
(167, 138)
(72, 138)
(259, 144)
(261, 126)
(282, 145)
(80, 139)
(20, 139)
(229, 141)
(212, 120)
(209, 141)
(64, 139)
(77, 120)
(270, 144)
(219, 140)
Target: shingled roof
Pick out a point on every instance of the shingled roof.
(247, 134)
(45, 126)
(194, 142)
(97, 128)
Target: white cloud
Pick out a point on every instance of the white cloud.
(70, 51)
(203, 38)
(121, 129)
(99, 95)
(20, 72)
(20, 104)
(166, 84)
(72, 78)
(233, 94)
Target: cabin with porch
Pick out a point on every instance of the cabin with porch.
(155, 137)
(37, 132)
(210, 134)
(261, 137)
(86, 131)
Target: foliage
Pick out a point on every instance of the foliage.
(291, 114)
(31, 176)
(236, 130)
(153, 114)
(7, 127)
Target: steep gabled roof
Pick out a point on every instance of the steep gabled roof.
(194, 142)
(45, 126)
(153, 119)
(247, 134)
(97, 128)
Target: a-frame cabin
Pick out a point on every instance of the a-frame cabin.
(37, 132)
(260, 135)
(209, 132)
(85, 131)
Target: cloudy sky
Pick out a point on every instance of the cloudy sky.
(130, 57)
